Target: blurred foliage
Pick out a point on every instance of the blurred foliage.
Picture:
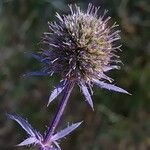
(119, 122)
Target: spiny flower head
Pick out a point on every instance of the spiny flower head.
(81, 47)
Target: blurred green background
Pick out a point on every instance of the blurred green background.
(119, 122)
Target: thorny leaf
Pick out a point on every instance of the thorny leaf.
(37, 139)
(65, 131)
(58, 89)
(25, 125)
(86, 94)
(109, 86)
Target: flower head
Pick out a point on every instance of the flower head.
(81, 47)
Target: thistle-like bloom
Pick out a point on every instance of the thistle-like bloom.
(81, 48)
(36, 139)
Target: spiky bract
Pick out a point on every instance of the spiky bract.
(36, 139)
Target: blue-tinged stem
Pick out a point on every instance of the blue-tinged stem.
(59, 112)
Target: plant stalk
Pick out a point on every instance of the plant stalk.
(59, 112)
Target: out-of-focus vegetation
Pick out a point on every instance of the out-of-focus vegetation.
(119, 122)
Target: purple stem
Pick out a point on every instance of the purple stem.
(59, 112)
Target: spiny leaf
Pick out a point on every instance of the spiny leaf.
(65, 131)
(110, 86)
(29, 141)
(58, 89)
(86, 94)
(25, 125)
